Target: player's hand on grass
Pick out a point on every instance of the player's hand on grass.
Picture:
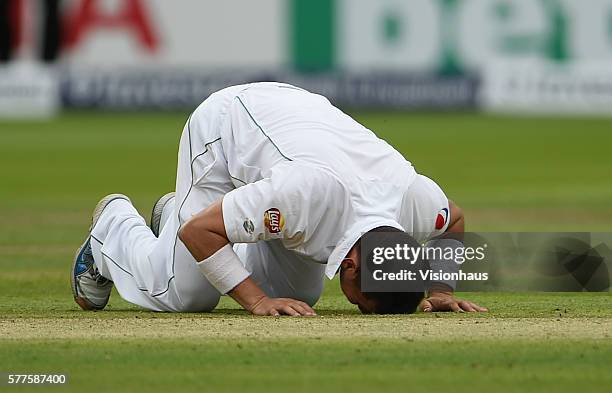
(281, 306)
(254, 300)
(445, 301)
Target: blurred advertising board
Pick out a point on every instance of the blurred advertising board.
(537, 86)
(28, 91)
(346, 35)
(178, 90)
(341, 46)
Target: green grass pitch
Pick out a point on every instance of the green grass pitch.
(509, 174)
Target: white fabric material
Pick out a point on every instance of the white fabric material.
(223, 269)
(145, 272)
(300, 181)
(328, 177)
(157, 274)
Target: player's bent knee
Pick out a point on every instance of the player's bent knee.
(197, 295)
(311, 300)
(204, 304)
(310, 297)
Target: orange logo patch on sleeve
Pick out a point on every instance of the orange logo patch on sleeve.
(274, 220)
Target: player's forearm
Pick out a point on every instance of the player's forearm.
(201, 243)
(457, 219)
(247, 294)
(205, 237)
(204, 234)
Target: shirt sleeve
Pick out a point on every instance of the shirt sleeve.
(295, 203)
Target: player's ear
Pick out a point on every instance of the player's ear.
(350, 263)
(349, 277)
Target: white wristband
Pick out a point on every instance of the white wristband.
(223, 269)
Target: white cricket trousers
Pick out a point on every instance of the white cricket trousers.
(159, 273)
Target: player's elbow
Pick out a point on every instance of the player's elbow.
(457, 219)
(200, 236)
(187, 232)
(193, 230)
(194, 238)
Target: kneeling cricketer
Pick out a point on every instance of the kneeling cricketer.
(275, 187)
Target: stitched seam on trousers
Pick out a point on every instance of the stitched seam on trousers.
(191, 162)
(115, 263)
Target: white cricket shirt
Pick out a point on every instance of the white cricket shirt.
(307, 174)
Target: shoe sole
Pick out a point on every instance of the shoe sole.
(81, 301)
(158, 209)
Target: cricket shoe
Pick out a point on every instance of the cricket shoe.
(161, 212)
(91, 291)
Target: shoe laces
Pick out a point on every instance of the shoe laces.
(100, 280)
(95, 273)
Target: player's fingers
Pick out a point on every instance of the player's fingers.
(301, 307)
(455, 307)
(426, 306)
(466, 306)
(288, 310)
(273, 312)
(309, 310)
(479, 308)
(298, 307)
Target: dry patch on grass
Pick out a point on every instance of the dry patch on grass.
(33, 250)
(322, 327)
(538, 219)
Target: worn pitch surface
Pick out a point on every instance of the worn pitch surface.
(509, 174)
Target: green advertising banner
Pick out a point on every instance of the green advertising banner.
(444, 36)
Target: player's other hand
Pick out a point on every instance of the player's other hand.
(281, 306)
(445, 301)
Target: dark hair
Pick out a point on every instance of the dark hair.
(395, 302)
(392, 302)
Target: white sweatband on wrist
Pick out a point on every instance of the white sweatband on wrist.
(223, 269)
(445, 265)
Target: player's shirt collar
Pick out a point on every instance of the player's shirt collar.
(350, 237)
